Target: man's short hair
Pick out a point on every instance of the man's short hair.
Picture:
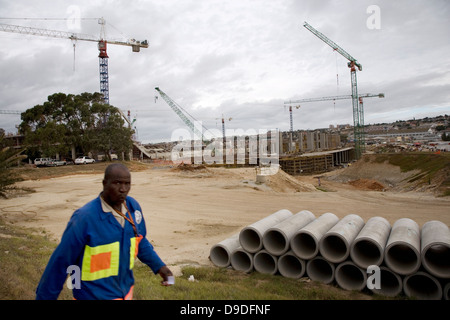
(109, 169)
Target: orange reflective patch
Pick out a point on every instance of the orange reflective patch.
(100, 261)
(138, 240)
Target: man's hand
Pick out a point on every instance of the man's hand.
(165, 273)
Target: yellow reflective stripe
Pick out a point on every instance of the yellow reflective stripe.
(132, 251)
(113, 249)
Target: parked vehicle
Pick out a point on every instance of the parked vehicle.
(84, 160)
(42, 162)
(55, 163)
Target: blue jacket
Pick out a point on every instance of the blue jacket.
(95, 244)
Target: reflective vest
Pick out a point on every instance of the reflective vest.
(103, 251)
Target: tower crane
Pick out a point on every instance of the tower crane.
(178, 110)
(223, 125)
(358, 112)
(360, 101)
(102, 44)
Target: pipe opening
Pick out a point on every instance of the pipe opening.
(422, 286)
(304, 245)
(250, 240)
(291, 267)
(350, 277)
(320, 270)
(437, 260)
(402, 259)
(219, 256)
(275, 242)
(241, 261)
(265, 263)
(366, 253)
(390, 284)
(333, 248)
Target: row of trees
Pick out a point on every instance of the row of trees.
(68, 122)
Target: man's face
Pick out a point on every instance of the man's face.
(117, 186)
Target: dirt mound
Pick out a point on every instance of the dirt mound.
(386, 174)
(229, 178)
(283, 182)
(367, 184)
(188, 167)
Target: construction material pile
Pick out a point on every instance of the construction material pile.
(388, 260)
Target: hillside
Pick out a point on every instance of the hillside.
(423, 172)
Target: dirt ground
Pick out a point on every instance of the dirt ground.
(188, 211)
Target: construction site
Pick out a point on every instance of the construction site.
(207, 193)
(296, 152)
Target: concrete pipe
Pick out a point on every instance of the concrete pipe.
(423, 286)
(242, 260)
(435, 248)
(319, 269)
(402, 251)
(350, 277)
(335, 244)
(291, 266)
(251, 237)
(264, 262)
(391, 284)
(276, 240)
(220, 253)
(446, 292)
(305, 242)
(368, 247)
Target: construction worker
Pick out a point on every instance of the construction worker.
(100, 244)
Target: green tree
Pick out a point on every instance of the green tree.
(8, 157)
(69, 122)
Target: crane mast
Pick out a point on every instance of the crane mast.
(102, 45)
(358, 113)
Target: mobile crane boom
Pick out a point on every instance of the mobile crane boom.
(178, 110)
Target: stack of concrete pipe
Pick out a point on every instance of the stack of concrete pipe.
(348, 251)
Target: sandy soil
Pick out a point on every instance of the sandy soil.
(187, 212)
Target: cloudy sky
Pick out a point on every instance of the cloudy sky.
(240, 59)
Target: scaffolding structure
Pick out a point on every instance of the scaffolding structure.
(317, 162)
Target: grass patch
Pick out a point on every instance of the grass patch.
(24, 253)
(431, 167)
(425, 162)
(212, 283)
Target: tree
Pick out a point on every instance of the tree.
(81, 122)
(8, 156)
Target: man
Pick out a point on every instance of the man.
(101, 242)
